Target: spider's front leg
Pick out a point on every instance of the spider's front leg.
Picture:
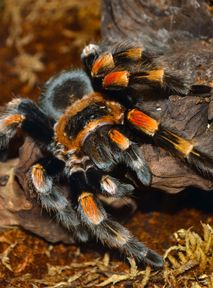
(27, 115)
(108, 185)
(110, 147)
(109, 232)
(43, 176)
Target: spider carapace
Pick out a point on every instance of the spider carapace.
(87, 123)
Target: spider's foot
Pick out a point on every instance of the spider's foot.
(113, 187)
(143, 254)
(89, 54)
(108, 185)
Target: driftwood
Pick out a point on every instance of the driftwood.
(176, 30)
(161, 27)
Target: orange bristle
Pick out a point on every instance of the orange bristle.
(90, 208)
(118, 138)
(13, 119)
(154, 75)
(133, 54)
(180, 144)
(143, 122)
(103, 63)
(38, 176)
(116, 79)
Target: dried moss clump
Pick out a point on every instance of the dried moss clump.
(39, 28)
(189, 263)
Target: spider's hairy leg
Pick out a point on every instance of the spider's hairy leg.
(108, 185)
(109, 147)
(176, 144)
(109, 232)
(187, 149)
(131, 156)
(125, 65)
(156, 77)
(108, 58)
(27, 115)
(42, 181)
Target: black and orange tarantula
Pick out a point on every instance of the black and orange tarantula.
(88, 125)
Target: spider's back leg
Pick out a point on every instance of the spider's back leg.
(126, 66)
(173, 142)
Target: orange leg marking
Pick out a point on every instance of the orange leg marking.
(13, 119)
(116, 79)
(154, 75)
(90, 208)
(133, 54)
(142, 121)
(103, 63)
(180, 144)
(117, 137)
(38, 176)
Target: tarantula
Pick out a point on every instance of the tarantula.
(88, 124)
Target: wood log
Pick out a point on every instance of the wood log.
(170, 29)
